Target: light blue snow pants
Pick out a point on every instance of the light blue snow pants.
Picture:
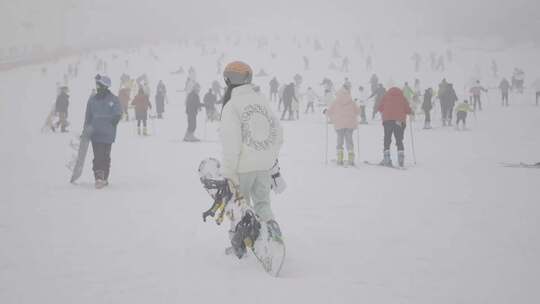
(255, 187)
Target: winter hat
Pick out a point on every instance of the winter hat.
(103, 80)
(238, 73)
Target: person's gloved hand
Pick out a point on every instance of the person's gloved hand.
(278, 184)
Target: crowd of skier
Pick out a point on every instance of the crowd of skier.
(344, 106)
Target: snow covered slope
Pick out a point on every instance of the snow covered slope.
(455, 228)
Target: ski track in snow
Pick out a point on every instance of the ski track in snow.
(455, 228)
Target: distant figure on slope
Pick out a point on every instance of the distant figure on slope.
(311, 97)
(476, 91)
(289, 95)
(193, 106)
(427, 105)
(61, 108)
(142, 104)
(378, 94)
(274, 86)
(210, 101)
(124, 95)
(161, 96)
(362, 100)
(504, 86)
(461, 113)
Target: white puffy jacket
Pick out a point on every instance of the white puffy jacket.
(251, 135)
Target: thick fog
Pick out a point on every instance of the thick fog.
(54, 24)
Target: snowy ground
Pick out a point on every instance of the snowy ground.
(455, 228)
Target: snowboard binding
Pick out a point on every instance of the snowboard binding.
(245, 234)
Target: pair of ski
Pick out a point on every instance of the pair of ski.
(522, 165)
(247, 231)
(369, 164)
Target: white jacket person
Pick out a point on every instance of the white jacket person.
(251, 137)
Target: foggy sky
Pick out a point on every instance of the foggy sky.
(76, 22)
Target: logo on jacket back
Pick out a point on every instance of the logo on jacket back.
(259, 129)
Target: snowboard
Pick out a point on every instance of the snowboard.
(246, 230)
(76, 165)
(521, 165)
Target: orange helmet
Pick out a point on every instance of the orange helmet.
(237, 73)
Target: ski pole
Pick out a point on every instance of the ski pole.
(358, 141)
(326, 142)
(205, 123)
(412, 140)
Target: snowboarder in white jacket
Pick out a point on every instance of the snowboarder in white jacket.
(251, 137)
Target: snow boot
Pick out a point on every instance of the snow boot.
(145, 131)
(351, 158)
(401, 158)
(138, 130)
(387, 161)
(100, 179)
(190, 137)
(340, 156)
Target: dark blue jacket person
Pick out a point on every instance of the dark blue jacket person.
(103, 112)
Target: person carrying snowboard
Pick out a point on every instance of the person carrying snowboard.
(251, 138)
(103, 112)
(142, 104)
(61, 108)
(394, 109)
(343, 114)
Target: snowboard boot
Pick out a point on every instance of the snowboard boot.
(245, 234)
(401, 158)
(387, 161)
(138, 130)
(274, 232)
(351, 159)
(145, 131)
(339, 160)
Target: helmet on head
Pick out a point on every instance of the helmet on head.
(238, 73)
(103, 80)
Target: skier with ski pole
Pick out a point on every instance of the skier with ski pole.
(394, 109)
